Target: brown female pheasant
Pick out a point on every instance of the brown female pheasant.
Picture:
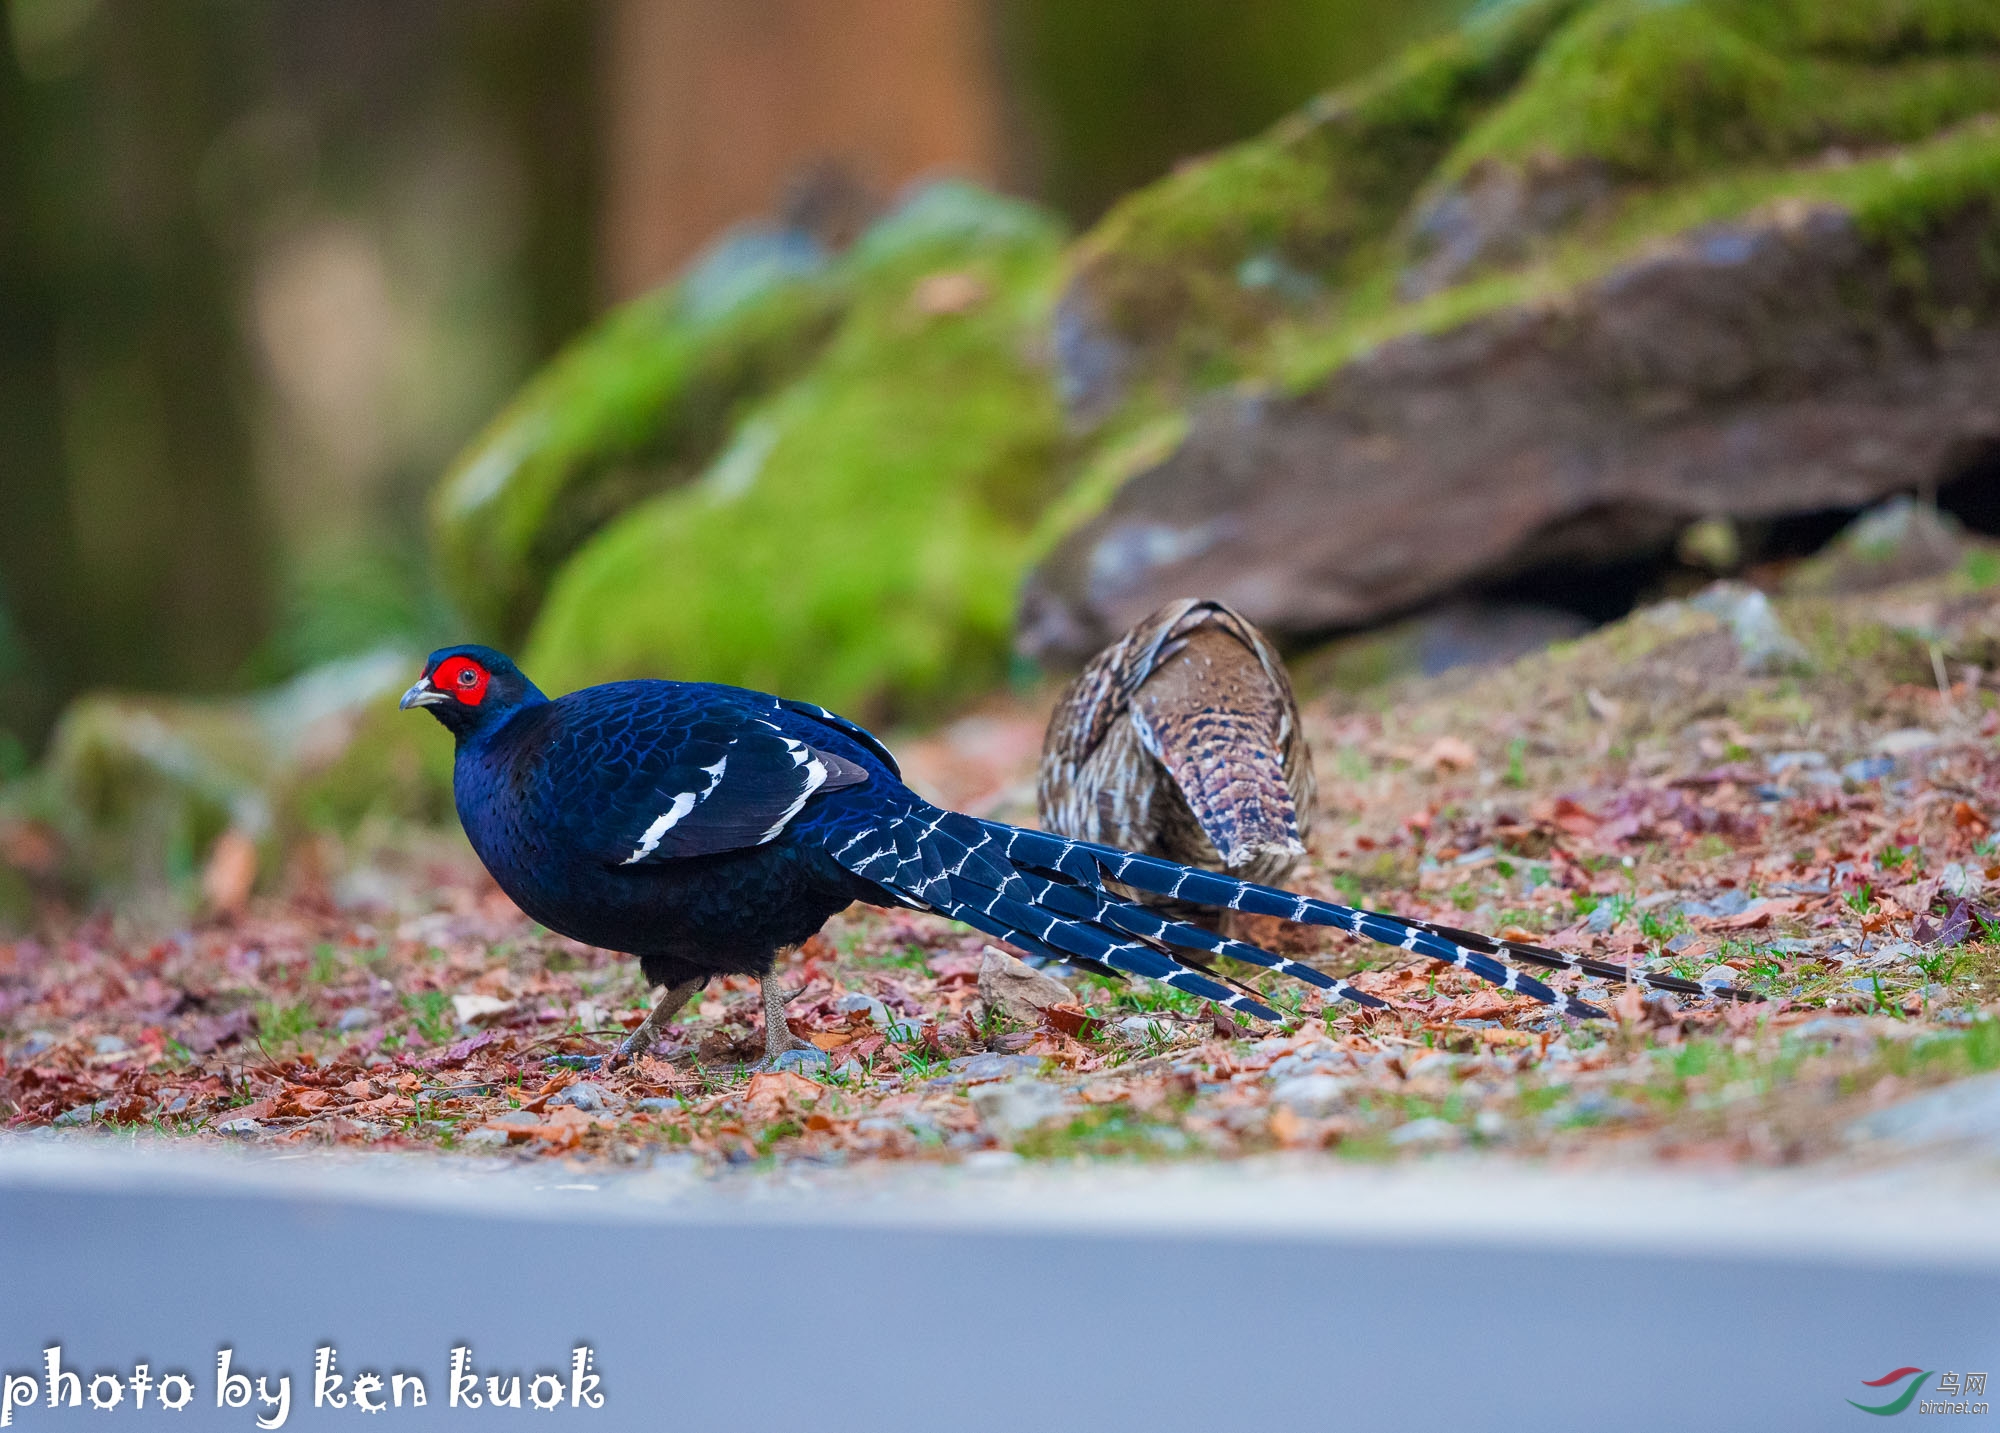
(1182, 740)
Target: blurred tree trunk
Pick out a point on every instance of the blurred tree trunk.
(132, 550)
(719, 113)
(152, 158)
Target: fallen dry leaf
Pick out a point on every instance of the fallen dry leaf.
(230, 873)
(1449, 753)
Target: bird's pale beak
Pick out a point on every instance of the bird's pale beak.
(423, 694)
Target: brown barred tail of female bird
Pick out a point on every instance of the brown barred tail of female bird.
(1182, 740)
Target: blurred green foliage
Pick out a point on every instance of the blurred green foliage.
(158, 166)
(857, 541)
(637, 404)
(1115, 92)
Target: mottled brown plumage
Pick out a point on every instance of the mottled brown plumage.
(1182, 740)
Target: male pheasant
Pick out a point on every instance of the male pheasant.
(1182, 740)
(707, 829)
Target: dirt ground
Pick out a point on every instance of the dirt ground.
(1798, 798)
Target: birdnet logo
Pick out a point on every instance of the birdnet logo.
(1957, 1392)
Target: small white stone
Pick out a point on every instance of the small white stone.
(1311, 1096)
(1429, 1130)
(471, 1009)
(1015, 1106)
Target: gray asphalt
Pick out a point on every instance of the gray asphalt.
(1457, 1293)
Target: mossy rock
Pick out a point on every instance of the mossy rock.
(859, 540)
(1197, 266)
(137, 789)
(637, 404)
(1419, 333)
(1535, 123)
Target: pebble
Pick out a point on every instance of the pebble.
(1905, 741)
(1829, 1028)
(1780, 762)
(1311, 1096)
(355, 1017)
(241, 1126)
(1597, 1105)
(1729, 903)
(1766, 648)
(1015, 1106)
(1868, 768)
(1437, 1062)
(107, 1045)
(37, 1041)
(522, 1118)
(1307, 1062)
(1602, 918)
(84, 1114)
(897, 1027)
(878, 1013)
(1719, 975)
(914, 1122)
(484, 1137)
(1964, 1113)
(1489, 1124)
(1138, 1030)
(585, 1096)
(992, 1159)
(800, 1062)
(973, 1069)
(1958, 880)
(657, 1105)
(1429, 1130)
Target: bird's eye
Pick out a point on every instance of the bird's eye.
(466, 676)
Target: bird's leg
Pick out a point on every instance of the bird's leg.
(778, 1036)
(641, 1040)
(782, 1049)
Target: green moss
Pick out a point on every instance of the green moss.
(1215, 268)
(637, 403)
(860, 540)
(1660, 91)
(139, 788)
(1896, 198)
(1170, 260)
(391, 769)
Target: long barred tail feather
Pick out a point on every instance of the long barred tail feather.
(1585, 965)
(1152, 874)
(1090, 864)
(1075, 940)
(1086, 903)
(1046, 895)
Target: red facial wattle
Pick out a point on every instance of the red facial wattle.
(464, 679)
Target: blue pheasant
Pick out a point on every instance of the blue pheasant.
(707, 830)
